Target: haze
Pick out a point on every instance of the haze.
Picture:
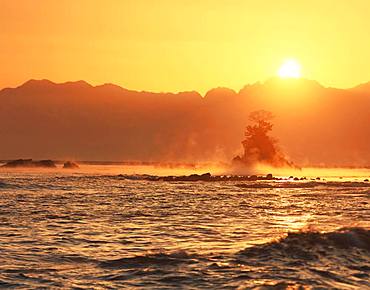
(75, 120)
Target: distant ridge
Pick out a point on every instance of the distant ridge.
(78, 121)
(44, 83)
(273, 81)
(365, 87)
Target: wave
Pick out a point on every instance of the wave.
(338, 259)
(302, 246)
(150, 259)
(312, 245)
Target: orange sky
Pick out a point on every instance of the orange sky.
(183, 45)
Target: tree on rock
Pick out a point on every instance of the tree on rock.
(258, 146)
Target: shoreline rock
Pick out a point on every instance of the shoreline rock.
(70, 165)
(29, 163)
(199, 177)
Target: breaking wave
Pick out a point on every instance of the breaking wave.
(338, 259)
(305, 243)
(150, 259)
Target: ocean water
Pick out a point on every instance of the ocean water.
(97, 230)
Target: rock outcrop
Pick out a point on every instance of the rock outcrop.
(30, 163)
(70, 165)
(199, 177)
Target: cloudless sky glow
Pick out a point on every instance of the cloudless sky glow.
(168, 45)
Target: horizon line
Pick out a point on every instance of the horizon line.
(180, 91)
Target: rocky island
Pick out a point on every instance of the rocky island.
(29, 163)
(70, 165)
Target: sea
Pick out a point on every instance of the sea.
(94, 228)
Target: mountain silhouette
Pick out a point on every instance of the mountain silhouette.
(364, 88)
(74, 120)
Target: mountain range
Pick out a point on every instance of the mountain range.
(314, 125)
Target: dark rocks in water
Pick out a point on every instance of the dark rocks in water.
(70, 165)
(30, 163)
(45, 163)
(18, 163)
(207, 177)
(139, 177)
(253, 178)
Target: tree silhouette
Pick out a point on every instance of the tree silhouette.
(258, 145)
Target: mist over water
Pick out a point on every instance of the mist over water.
(187, 127)
(91, 228)
(166, 169)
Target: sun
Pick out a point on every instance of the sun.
(290, 69)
